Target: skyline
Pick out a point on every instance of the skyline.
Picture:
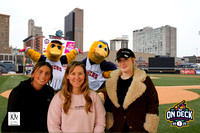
(107, 20)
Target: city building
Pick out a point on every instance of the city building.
(159, 41)
(180, 60)
(34, 30)
(35, 42)
(198, 59)
(192, 59)
(120, 42)
(18, 56)
(73, 27)
(4, 34)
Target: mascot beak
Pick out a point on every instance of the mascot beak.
(55, 52)
(100, 53)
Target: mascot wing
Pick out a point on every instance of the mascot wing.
(33, 55)
(71, 55)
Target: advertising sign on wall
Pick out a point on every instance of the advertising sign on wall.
(187, 71)
(68, 45)
(197, 71)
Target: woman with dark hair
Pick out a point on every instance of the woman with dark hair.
(76, 108)
(31, 99)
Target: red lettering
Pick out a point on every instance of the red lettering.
(56, 67)
(92, 74)
(95, 76)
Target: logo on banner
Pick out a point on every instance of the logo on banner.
(14, 118)
(179, 115)
(58, 35)
(69, 46)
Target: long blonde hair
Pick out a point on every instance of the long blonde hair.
(67, 88)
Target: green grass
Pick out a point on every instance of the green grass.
(194, 126)
(175, 81)
(7, 83)
(10, 81)
(164, 80)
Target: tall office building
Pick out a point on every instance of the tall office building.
(120, 42)
(73, 27)
(4, 34)
(34, 30)
(159, 41)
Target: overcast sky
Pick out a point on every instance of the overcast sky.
(108, 19)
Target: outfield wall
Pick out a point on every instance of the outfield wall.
(189, 71)
(6, 67)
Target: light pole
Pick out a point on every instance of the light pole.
(78, 29)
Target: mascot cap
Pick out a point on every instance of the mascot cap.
(125, 53)
(56, 41)
(104, 42)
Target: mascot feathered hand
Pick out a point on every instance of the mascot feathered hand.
(55, 58)
(98, 68)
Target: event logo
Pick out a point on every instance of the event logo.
(179, 115)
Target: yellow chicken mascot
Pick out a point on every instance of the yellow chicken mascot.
(54, 57)
(98, 68)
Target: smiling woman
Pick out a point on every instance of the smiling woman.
(33, 97)
(76, 101)
(132, 100)
(41, 76)
(76, 78)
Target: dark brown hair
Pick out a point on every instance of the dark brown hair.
(40, 64)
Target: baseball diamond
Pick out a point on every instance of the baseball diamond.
(166, 94)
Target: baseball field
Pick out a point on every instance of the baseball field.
(171, 88)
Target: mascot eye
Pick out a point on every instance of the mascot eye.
(99, 46)
(106, 49)
(59, 47)
(53, 45)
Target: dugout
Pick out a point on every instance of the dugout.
(6, 67)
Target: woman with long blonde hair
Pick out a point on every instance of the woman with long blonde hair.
(76, 108)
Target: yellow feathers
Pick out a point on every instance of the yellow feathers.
(54, 51)
(98, 52)
(35, 56)
(106, 74)
(71, 56)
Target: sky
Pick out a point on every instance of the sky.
(107, 19)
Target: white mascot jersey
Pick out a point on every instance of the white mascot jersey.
(58, 74)
(95, 76)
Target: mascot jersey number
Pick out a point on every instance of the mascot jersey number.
(55, 58)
